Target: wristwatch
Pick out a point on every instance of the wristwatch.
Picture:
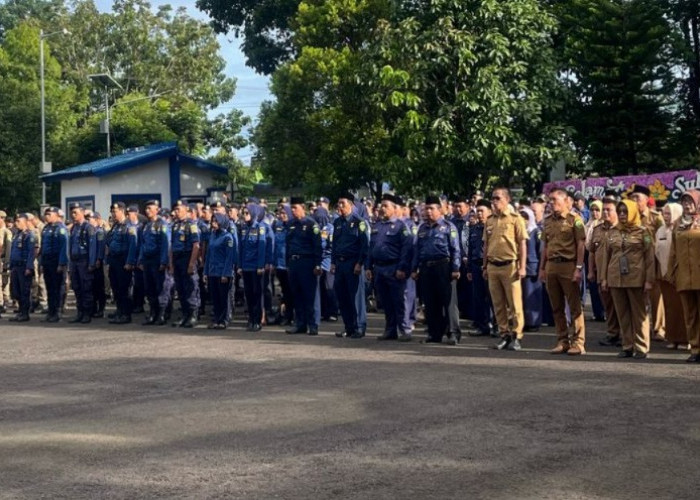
(579, 266)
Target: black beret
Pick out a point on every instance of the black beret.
(347, 196)
(390, 197)
(638, 188)
(152, 202)
(133, 208)
(233, 205)
(218, 204)
(179, 203)
(460, 199)
(484, 203)
(75, 205)
(22, 215)
(323, 199)
(297, 200)
(118, 205)
(399, 201)
(432, 200)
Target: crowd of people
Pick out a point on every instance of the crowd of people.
(506, 266)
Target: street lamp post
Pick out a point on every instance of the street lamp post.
(108, 83)
(45, 167)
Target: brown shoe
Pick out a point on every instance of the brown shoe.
(560, 349)
(576, 351)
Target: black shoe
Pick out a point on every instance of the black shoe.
(515, 345)
(51, 318)
(190, 322)
(20, 318)
(430, 340)
(150, 320)
(121, 320)
(639, 355)
(609, 341)
(342, 334)
(531, 329)
(256, 327)
(161, 320)
(112, 315)
(453, 339)
(503, 343)
(388, 336)
(357, 335)
(404, 337)
(313, 331)
(295, 330)
(180, 323)
(624, 354)
(693, 358)
(477, 333)
(86, 319)
(137, 310)
(77, 319)
(99, 314)
(333, 319)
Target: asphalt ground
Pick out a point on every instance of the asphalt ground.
(127, 412)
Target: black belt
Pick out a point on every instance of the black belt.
(297, 257)
(386, 262)
(500, 263)
(78, 257)
(342, 258)
(559, 260)
(431, 263)
(181, 254)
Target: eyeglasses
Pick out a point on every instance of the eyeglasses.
(245, 212)
(495, 198)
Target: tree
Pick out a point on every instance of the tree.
(14, 12)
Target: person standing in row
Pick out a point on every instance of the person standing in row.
(436, 262)
(280, 228)
(505, 261)
(153, 261)
(83, 256)
(389, 263)
(676, 336)
(54, 261)
(629, 271)
(531, 284)
(562, 271)
(683, 269)
(348, 255)
(122, 256)
(185, 252)
(480, 298)
(222, 253)
(596, 249)
(328, 304)
(251, 263)
(304, 265)
(22, 258)
(99, 294)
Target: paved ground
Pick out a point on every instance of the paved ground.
(130, 412)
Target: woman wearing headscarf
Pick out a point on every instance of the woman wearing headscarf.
(676, 336)
(280, 228)
(596, 218)
(222, 253)
(629, 272)
(531, 284)
(251, 262)
(684, 268)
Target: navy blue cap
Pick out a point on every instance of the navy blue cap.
(133, 208)
(52, 210)
(118, 206)
(152, 202)
(74, 205)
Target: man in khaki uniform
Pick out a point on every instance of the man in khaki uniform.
(5, 247)
(561, 269)
(505, 256)
(596, 247)
(39, 295)
(652, 220)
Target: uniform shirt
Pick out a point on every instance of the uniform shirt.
(462, 225)
(6, 244)
(54, 244)
(350, 239)
(390, 244)
(269, 243)
(534, 243)
(637, 245)
(326, 246)
(251, 252)
(304, 239)
(83, 243)
(652, 220)
(122, 240)
(185, 234)
(596, 245)
(503, 234)
(101, 243)
(279, 231)
(562, 234)
(683, 261)
(23, 250)
(476, 247)
(435, 242)
(222, 253)
(155, 243)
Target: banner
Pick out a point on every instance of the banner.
(664, 186)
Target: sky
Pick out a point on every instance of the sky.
(251, 90)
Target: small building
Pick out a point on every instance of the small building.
(160, 171)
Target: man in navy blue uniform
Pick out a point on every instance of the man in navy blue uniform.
(122, 255)
(304, 266)
(137, 292)
(83, 256)
(54, 261)
(98, 282)
(436, 262)
(464, 289)
(185, 252)
(481, 300)
(348, 255)
(389, 262)
(153, 261)
(204, 217)
(22, 257)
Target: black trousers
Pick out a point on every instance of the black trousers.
(436, 285)
(98, 289)
(120, 279)
(55, 285)
(21, 287)
(219, 299)
(252, 285)
(287, 299)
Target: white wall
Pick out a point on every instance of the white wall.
(195, 181)
(81, 187)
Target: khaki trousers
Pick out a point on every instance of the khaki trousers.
(507, 298)
(630, 304)
(562, 290)
(690, 300)
(611, 320)
(657, 311)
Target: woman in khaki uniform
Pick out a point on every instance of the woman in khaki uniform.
(676, 336)
(684, 268)
(629, 271)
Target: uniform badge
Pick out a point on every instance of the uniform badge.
(578, 223)
(62, 231)
(182, 237)
(100, 236)
(324, 234)
(132, 231)
(230, 243)
(363, 226)
(316, 230)
(262, 231)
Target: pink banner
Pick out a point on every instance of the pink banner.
(664, 186)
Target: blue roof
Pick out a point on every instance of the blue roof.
(131, 159)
